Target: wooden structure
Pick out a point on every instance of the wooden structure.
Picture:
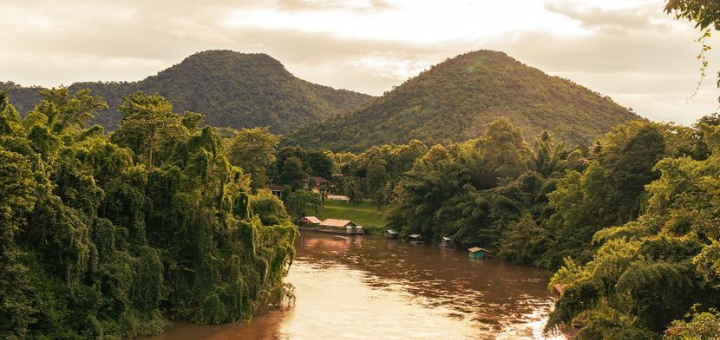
(446, 242)
(391, 233)
(276, 189)
(309, 221)
(340, 227)
(477, 253)
(416, 238)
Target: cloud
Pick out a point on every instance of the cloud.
(330, 5)
(628, 49)
(595, 18)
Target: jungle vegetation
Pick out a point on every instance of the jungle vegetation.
(114, 235)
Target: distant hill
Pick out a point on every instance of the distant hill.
(454, 100)
(231, 89)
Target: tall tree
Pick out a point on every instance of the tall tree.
(148, 122)
(254, 151)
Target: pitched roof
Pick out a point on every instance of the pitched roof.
(311, 219)
(476, 249)
(275, 187)
(414, 235)
(330, 222)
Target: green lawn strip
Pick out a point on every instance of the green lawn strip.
(364, 213)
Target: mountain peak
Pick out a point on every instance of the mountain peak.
(454, 100)
(232, 89)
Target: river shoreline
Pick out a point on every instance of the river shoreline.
(405, 291)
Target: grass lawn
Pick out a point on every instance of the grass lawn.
(364, 213)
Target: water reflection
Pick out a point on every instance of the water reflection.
(374, 288)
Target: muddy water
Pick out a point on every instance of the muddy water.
(374, 288)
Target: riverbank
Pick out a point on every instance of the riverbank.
(374, 288)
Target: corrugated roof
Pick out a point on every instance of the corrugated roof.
(311, 219)
(331, 222)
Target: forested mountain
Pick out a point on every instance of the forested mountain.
(454, 100)
(232, 89)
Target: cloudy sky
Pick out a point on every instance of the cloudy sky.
(627, 49)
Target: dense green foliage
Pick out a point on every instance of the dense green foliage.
(253, 150)
(630, 224)
(232, 89)
(454, 100)
(112, 236)
(650, 270)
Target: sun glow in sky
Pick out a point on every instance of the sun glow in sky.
(627, 49)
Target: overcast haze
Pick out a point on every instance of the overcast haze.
(627, 49)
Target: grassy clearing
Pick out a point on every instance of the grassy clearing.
(364, 213)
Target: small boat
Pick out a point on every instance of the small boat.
(416, 239)
(391, 233)
(477, 253)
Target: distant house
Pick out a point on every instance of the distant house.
(276, 189)
(317, 182)
(309, 220)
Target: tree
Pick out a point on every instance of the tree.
(93, 245)
(292, 173)
(319, 163)
(64, 110)
(701, 326)
(705, 13)
(148, 122)
(503, 149)
(299, 201)
(254, 151)
(269, 208)
(351, 188)
(524, 241)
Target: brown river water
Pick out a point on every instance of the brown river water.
(375, 288)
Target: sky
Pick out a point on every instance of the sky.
(627, 49)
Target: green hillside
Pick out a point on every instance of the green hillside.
(455, 99)
(232, 89)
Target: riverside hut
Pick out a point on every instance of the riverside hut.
(416, 238)
(477, 253)
(391, 233)
(309, 221)
(341, 226)
(446, 242)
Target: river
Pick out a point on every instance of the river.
(375, 288)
